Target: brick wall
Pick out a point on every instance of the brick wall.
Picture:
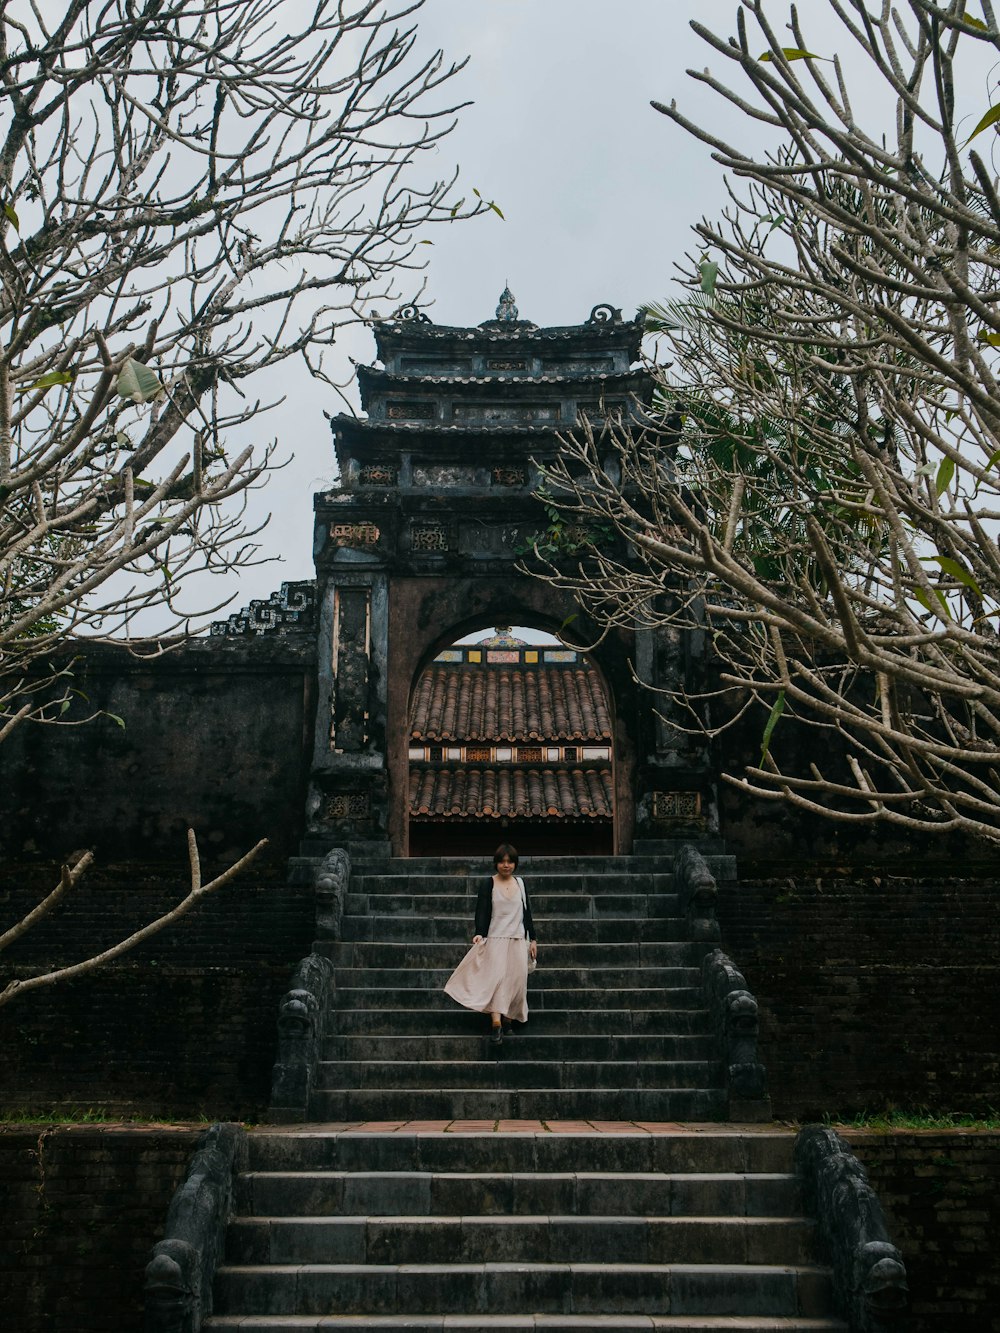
(876, 991)
(82, 1207)
(215, 736)
(940, 1196)
(184, 1026)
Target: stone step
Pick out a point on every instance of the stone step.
(718, 1150)
(577, 1194)
(539, 1103)
(525, 1323)
(457, 930)
(524, 1044)
(579, 1288)
(557, 906)
(387, 953)
(722, 866)
(441, 1016)
(371, 993)
(598, 980)
(526, 1238)
(506, 1072)
(583, 885)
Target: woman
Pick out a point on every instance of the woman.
(492, 978)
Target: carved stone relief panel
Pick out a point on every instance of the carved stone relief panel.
(488, 414)
(410, 411)
(351, 669)
(669, 806)
(430, 536)
(444, 475)
(378, 474)
(348, 805)
(356, 535)
(510, 476)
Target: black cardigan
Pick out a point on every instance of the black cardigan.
(484, 911)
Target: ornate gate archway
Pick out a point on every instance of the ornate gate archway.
(421, 542)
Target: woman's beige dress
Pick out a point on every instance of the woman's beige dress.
(492, 978)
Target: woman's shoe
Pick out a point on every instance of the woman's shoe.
(507, 1027)
(496, 1034)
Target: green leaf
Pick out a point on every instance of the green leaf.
(944, 475)
(941, 610)
(138, 382)
(793, 53)
(772, 721)
(992, 338)
(489, 204)
(49, 380)
(709, 273)
(115, 718)
(992, 460)
(11, 216)
(991, 117)
(956, 570)
(975, 23)
(65, 706)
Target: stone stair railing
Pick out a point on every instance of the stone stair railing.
(733, 1007)
(302, 1020)
(303, 1009)
(180, 1275)
(869, 1277)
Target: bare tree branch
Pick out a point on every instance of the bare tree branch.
(195, 894)
(820, 493)
(190, 194)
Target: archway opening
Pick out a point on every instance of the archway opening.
(510, 740)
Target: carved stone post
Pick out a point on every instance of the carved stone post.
(676, 796)
(348, 798)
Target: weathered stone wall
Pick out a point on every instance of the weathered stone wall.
(876, 990)
(84, 1204)
(183, 1026)
(217, 736)
(941, 1201)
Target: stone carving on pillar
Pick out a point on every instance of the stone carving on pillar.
(351, 666)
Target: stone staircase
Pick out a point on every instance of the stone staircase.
(617, 1028)
(562, 1227)
(432, 1231)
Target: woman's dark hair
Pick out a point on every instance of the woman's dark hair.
(504, 850)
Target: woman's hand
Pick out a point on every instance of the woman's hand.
(533, 949)
(477, 939)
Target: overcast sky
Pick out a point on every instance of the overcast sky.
(599, 191)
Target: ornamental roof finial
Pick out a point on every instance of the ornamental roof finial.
(507, 310)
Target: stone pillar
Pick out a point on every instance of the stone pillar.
(676, 791)
(348, 797)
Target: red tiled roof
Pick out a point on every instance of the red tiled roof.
(476, 793)
(472, 703)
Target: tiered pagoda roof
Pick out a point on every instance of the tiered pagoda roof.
(440, 388)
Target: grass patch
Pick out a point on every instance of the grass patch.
(921, 1118)
(93, 1115)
